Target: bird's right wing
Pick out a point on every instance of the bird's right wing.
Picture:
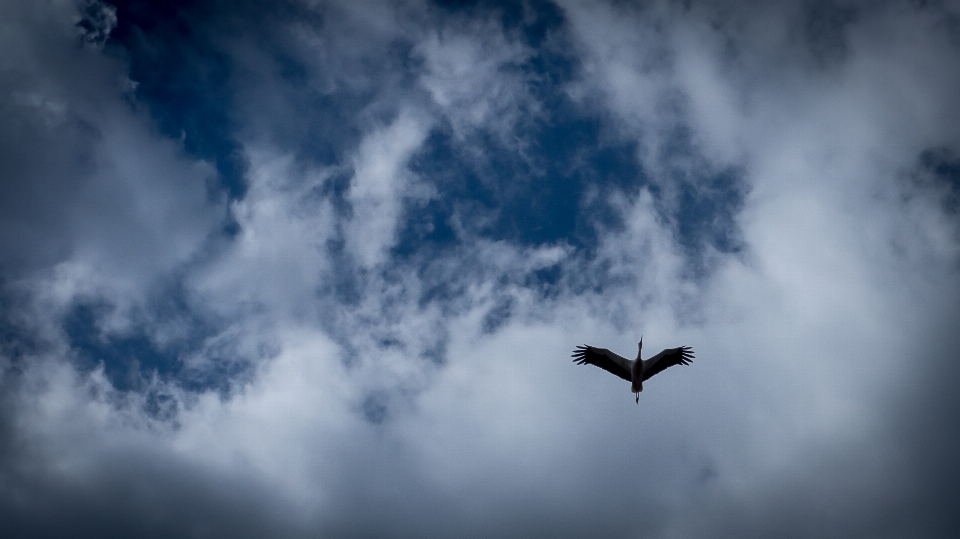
(603, 358)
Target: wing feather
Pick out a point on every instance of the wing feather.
(603, 358)
(667, 358)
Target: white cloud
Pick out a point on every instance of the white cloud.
(473, 74)
(380, 182)
(278, 254)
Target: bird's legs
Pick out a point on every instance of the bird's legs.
(638, 397)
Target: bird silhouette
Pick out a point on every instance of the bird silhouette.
(635, 371)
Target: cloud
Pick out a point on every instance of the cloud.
(382, 317)
(377, 187)
(474, 74)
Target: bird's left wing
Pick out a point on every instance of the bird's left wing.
(603, 358)
(667, 358)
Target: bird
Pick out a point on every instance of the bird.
(635, 371)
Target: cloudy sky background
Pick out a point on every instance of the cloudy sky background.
(304, 267)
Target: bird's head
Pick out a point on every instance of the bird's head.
(639, 347)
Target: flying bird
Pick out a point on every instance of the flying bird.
(635, 371)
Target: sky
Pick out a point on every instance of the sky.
(310, 268)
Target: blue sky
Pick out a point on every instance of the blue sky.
(307, 268)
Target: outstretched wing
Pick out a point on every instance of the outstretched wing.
(603, 358)
(667, 358)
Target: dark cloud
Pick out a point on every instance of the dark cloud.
(824, 29)
(153, 497)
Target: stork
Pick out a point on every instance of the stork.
(635, 371)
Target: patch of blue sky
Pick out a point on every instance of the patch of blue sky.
(529, 199)
(182, 77)
(708, 197)
(533, 19)
(129, 359)
(701, 200)
(322, 122)
(708, 211)
(17, 338)
(944, 166)
(134, 356)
